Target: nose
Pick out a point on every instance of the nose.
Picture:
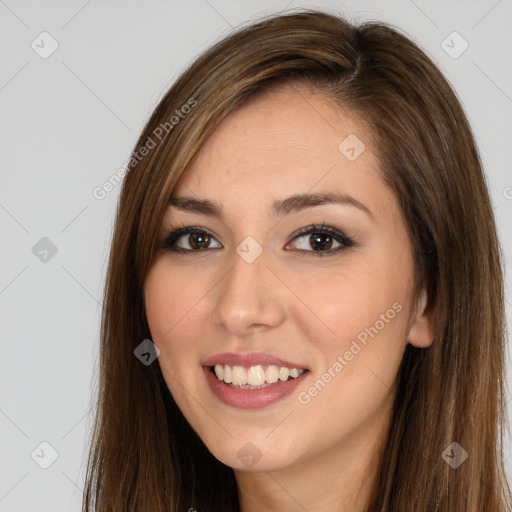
(249, 298)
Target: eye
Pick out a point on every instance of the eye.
(189, 240)
(324, 240)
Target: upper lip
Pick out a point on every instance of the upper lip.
(247, 360)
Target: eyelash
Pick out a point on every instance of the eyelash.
(312, 229)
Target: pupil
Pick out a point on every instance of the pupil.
(199, 240)
(317, 242)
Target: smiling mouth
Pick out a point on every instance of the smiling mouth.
(255, 377)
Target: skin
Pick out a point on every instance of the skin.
(292, 304)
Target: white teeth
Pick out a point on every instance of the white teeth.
(255, 377)
(272, 374)
(239, 377)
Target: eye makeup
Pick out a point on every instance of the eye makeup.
(318, 236)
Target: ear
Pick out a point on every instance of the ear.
(421, 332)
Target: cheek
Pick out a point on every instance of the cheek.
(171, 310)
(171, 315)
(358, 330)
(169, 300)
(352, 304)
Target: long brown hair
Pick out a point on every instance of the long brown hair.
(144, 456)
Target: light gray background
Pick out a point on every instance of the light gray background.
(69, 122)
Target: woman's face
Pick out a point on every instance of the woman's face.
(252, 294)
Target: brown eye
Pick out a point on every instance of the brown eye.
(190, 240)
(199, 240)
(320, 240)
(317, 242)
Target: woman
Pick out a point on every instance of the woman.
(304, 301)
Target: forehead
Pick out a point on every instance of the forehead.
(285, 142)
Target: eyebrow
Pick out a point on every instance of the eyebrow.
(279, 208)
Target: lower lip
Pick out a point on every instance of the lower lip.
(251, 398)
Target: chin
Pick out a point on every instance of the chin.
(253, 455)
